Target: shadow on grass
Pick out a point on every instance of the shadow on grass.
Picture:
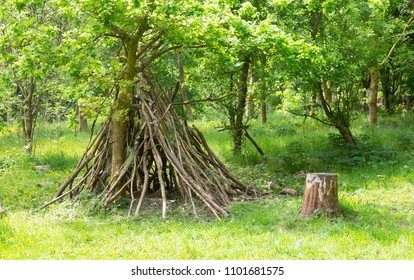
(383, 225)
(57, 161)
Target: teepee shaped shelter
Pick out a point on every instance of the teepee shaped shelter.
(164, 154)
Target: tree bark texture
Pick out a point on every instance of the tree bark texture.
(326, 87)
(83, 121)
(251, 98)
(321, 194)
(373, 95)
(30, 108)
(386, 88)
(390, 81)
(312, 107)
(264, 109)
(242, 88)
(123, 106)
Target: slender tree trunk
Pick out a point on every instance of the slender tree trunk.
(317, 22)
(184, 99)
(28, 131)
(9, 112)
(327, 93)
(263, 93)
(313, 105)
(385, 79)
(250, 98)
(29, 112)
(373, 95)
(123, 105)
(230, 108)
(390, 81)
(9, 117)
(241, 104)
(264, 108)
(83, 121)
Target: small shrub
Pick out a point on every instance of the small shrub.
(295, 159)
(405, 142)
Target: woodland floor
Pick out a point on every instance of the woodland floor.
(376, 195)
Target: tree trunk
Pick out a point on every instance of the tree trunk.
(9, 117)
(264, 109)
(373, 95)
(250, 99)
(184, 99)
(386, 86)
(83, 121)
(321, 194)
(29, 112)
(263, 93)
(327, 93)
(28, 131)
(345, 133)
(313, 105)
(241, 104)
(123, 105)
(387, 99)
(390, 81)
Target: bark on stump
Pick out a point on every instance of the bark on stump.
(321, 194)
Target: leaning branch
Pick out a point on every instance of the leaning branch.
(254, 143)
(410, 21)
(309, 116)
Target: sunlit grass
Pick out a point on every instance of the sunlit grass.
(269, 229)
(376, 194)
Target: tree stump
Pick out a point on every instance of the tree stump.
(321, 194)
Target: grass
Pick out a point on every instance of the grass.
(376, 197)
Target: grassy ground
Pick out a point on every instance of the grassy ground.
(376, 193)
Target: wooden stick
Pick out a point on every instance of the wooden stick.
(399, 39)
